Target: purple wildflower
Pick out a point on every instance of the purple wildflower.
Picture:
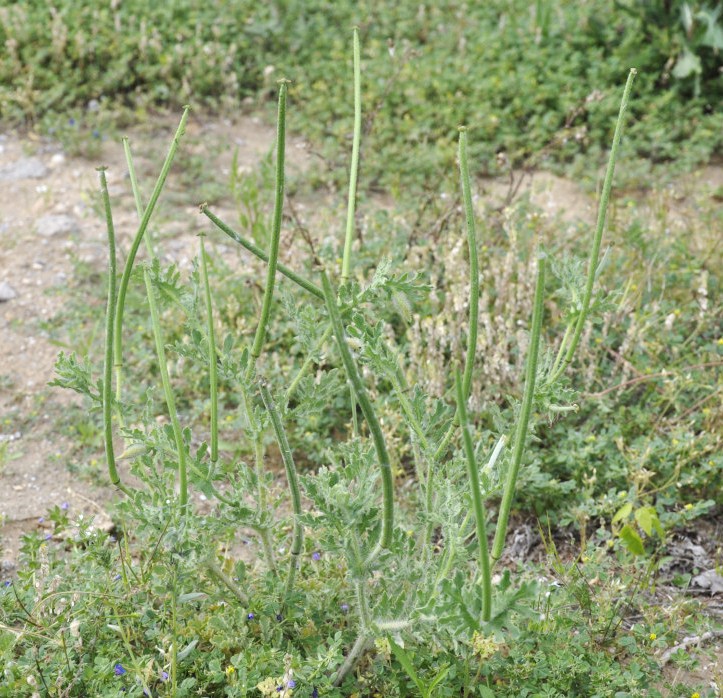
(41, 519)
(291, 684)
(315, 693)
(164, 676)
(71, 121)
(118, 669)
(7, 583)
(64, 506)
(345, 608)
(316, 556)
(250, 616)
(48, 536)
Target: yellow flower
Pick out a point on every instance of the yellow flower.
(652, 637)
(688, 506)
(695, 695)
(483, 647)
(230, 670)
(268, 686)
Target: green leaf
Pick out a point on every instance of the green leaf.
(438, 679)
(404, 659)
(688, 64)
(623, 512)
(645, 519)
(187, 650)
(192, 596)
(631, 540)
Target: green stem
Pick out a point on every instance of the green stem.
(125, 278)
(288, 459)
(108, 364)
(136, 193)
(305, 367)
(258, 252)
(385, 538)
(524, 418)
(360, 646)
(353, 174)
(479, 511)
(215, 569)
(354, 419)
(170, 402)
(563, 347)
(174, 636)
(212, 368)
(275, 230)
(597, 240)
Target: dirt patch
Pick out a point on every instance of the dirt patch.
(49, 223)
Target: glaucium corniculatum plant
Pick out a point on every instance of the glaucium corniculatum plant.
(398, 560)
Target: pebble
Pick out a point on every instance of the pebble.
(50, 226)
(25, 168)
(7, 292)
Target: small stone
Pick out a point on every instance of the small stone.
(7, 292)
(50, 226)
(25, 168)
(710, 580)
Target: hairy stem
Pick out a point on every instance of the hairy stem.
(361, 645)
(305, 367)
(170, 401)
(293, 481)
(479, 510)
(215, 569)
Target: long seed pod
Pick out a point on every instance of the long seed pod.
(125, 278)
(524, 418)
(473, 286)
(599, 228)
(293, 482)
(354, 170)
(212, 368)
(136, 193)
(385, 538)
(275, 229)
(108, 362)
(258, 252)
